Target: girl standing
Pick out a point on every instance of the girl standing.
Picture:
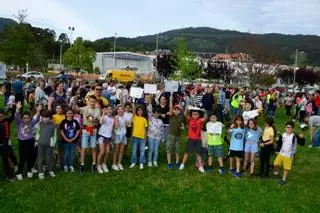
(121, 140)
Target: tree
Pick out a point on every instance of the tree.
(218, 69)
(254, 62)
(186, 62)
(164, 64)
(286, 75)
(79, 57)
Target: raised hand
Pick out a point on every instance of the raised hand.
(19, 106)
(39, 108)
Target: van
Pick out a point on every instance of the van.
(123, 76)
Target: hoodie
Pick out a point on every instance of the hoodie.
(46, 134)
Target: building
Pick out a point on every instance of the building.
(122, 60)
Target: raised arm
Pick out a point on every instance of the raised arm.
(36, 119)
(171, 105)
(17, 114)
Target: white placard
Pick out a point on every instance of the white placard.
(215, 128)
(136, 92)
(150, 88)
(171, 86)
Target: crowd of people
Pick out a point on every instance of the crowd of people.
(58, 119)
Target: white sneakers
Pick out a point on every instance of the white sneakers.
(132, 165)
(71, 168)
(41, 176)
(181, 166)
(104, 168)
(201, 169)
(149, 164)
(29, 174)
(99, 169)
(120, 166)
(52, 174)
(19, 177)
(34, 171)
(115, 167)
(141, 166)
(15, 168)
(155, 163)
(65, 168)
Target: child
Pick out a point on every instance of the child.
(287, 145)
(70, 131)
(139, 135)
(104, 138)
(120, 140)
(266, 147)
(251, 144)
(214, 130)
(57, 118)
(236, 147)
(25, 128)
(128, 116)
(175, 127)
(250, 113)
(155, 134)
(194, 138)
(46, 134)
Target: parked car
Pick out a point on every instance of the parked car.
(32, 74)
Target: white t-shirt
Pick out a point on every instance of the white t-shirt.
(247, 115)
(128, 116)
(107, 127)
(85, 111)
(287, 149)
(121, 130)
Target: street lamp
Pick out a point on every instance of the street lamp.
(114, 49)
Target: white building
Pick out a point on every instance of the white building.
(121, 60)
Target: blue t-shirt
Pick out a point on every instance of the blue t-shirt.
(18, 87)
(253, 135)
(237, 139)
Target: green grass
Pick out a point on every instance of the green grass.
(160, 190)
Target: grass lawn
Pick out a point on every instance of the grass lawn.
(160, 190)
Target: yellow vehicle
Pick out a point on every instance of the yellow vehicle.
(120, 75)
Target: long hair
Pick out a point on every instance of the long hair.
(254, 122)
(238, 117)
(270, 122)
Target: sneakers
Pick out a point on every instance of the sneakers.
(155, 163)
(115, 167)
(141, 166)
(41, 176)
(52, 174)
(282, 182)
(65, 168)
(99, 169)
(178, 165)
(29, 174)
(105, 168)
(149, 164)
(81, 169)
(209, 170)
(71, 168)
(132, 165)
(15, 168)
(201, 169)
(221, 171)
(232, 171)
(120, 166)
(181, 166)
(170, 166)
(19, 177)
(237, 175)
(34, 171)
(94, 168)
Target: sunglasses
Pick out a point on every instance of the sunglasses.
(99, 89)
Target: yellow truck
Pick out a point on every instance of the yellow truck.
(120, 75)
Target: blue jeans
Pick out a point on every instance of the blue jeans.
(137, 143)
(68, 150)
(153, 145)
(220, 113)
(316, 138)
(271, 113)
(235, 111)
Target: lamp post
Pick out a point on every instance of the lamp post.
(114, 49)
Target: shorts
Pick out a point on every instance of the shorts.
(88, 140)
(280, 159)
(251, 147)
(173, 144)
(238, 154)
(194, 145)
(216, 151)
(103, 140)
(120, 139)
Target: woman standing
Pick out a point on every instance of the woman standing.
(164, 116)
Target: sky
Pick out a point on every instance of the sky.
(130, 18)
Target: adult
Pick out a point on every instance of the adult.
(30, 88)
(112, 88)
(289, 101)
(164, 115)
(235, 102)
(50, 88)
(314, 126)
(221, 104)
(18, 90)
(58, 97)
(208, 101)
(40, 96)
(98, 93)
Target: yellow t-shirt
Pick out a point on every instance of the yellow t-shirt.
(139, 127)
(104, 100)
(267, 133)
(57, 119)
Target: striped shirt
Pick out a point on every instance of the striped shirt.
(222, 97)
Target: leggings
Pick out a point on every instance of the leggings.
(288, 110)
(265, 155)
(26, 154)
(4, 152)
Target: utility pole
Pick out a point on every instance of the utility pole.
(60, 60)
(114, 49)
(295, 67)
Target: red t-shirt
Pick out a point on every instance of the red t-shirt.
(195, 127)
(317, 101)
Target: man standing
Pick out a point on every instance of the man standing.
(221, 103)
(18, 90)
(314, 125)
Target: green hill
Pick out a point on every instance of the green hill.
(204, 39)
(4, 22)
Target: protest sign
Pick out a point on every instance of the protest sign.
(136, 92)
(171, 86)
(150, 88)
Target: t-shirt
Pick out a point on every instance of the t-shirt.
(69, 129)
(57, 119)
(139, 126)
(121, 130)
(268, 133)
(214, 131)
(175, 125)
(164, 110)
(195, 126)
(314, 121)
(128, 116)
(18, 87)
(247, 115)
(155, 129)
(253, 136)
(237, 139)
(85, 111)
(287, 149)
(107, 127)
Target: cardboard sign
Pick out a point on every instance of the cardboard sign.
(136, 92)
(171, 86)
(215, 129)
(150, 88)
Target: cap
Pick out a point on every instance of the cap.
(177, 106)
